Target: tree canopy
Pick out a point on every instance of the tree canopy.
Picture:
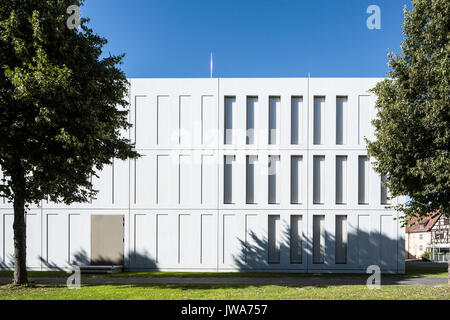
(412, 146)
(63, 107)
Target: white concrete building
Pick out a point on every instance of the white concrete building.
(235, 174)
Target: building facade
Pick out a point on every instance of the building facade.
(235, 175)
(431, 234)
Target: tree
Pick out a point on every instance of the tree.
(62, 110)
(412, 146)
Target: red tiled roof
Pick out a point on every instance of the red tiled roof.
(427, 222)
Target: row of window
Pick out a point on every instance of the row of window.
(296, 186)
(274, 116)
(296, 239)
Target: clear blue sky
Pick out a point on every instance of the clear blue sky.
(249, 38)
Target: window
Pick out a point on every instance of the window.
(230, 103)
(274, 181)
(384, 191)
(341, 179)
(319, 129)
(274, 120)
(341, 120)
(421, 236)
(273, 240)
(319, 179)
(296, 120)
(296, 239)
(421, 248)
(319, 239)
(422, 226)
(363, 180)
(250, 179)
(341, 240)
(296, 179)
(251, 105)
(228, 179)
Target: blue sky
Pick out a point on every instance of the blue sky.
(249, 38)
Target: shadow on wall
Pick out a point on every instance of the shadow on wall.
(322, 251)
(138, 260)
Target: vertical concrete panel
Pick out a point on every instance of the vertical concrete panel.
(186, 245)
(209, 121)
(145, 123)
(8, 240)
(164, 191)
(79, 239)
(209, 180)
(145, 180)
(167, 123)
(388, 247)
(57, 240)
(364, 247)
(208, 240)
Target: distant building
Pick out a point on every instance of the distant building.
(427, 234)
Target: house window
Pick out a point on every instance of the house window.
(421, 236)
(420, 248)
(422, 226)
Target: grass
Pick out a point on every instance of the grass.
(412, 270)
(223, 292)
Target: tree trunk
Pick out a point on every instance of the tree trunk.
(20, 230)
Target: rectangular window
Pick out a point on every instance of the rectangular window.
(273, 240)
(420, 236)
(296, 121)
(230, 102)
(274, 120)
(296, 179)
(251, 105)
(319, 179)
(341, 179)
(363, 180)
(341, 240)
(250, 181)
(296, 236)
(384, 191)
(274, 189)
(228, 179)
(341, 120)
(319, 239)
(319, 128)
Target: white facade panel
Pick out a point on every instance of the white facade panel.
(204, 195)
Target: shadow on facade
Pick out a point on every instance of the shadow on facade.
(362, 249)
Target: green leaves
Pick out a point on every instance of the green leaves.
(60, 102)
(412, 145)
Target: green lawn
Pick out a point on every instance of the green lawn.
(222, 292)
(412, 270)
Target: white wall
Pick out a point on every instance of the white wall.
(173, 197)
